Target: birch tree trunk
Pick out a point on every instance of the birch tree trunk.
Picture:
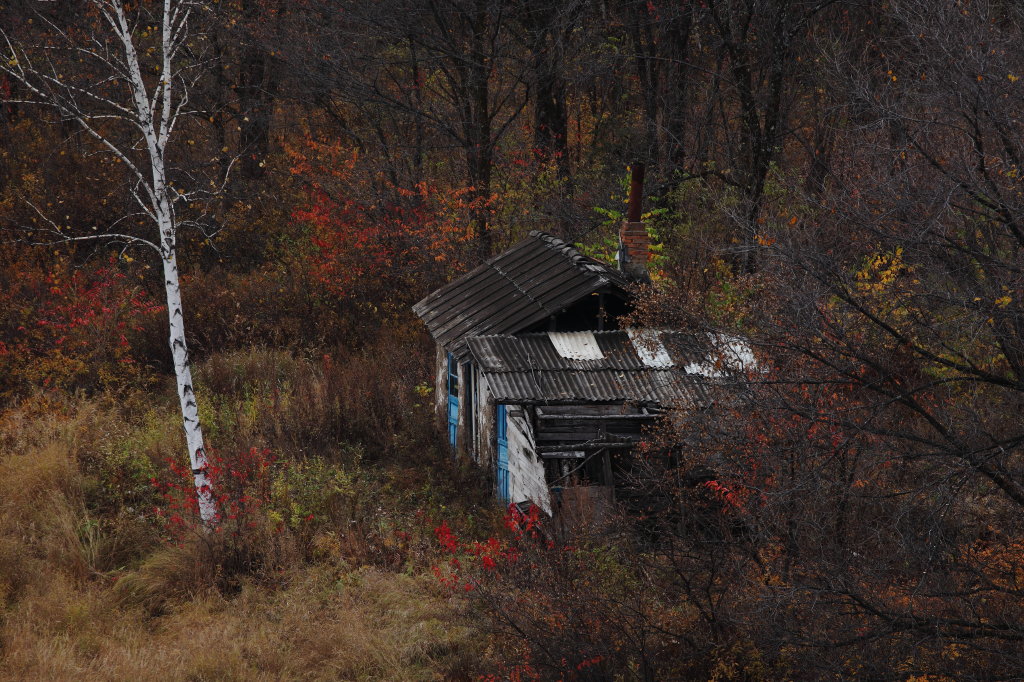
(186, 391)
(157, 133)
(131, 112)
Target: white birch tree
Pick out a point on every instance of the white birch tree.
(124, 80)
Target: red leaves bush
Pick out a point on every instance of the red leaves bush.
(242, 489)
(74, 328)
(547, 605)
(376, 243)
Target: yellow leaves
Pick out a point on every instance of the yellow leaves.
(881, 270)
(951, 652)
(1004, 301)
(1013, 78)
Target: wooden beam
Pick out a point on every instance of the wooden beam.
(569, 447)
(564, 454)
(553, 417)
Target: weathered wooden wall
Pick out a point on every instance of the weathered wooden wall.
(526, 470)
(441, 388)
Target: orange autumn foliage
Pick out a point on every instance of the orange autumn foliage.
(373, 242)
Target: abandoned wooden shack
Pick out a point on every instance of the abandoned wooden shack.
(535, 379)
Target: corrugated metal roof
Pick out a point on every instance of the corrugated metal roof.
(507, 353)
(529, 369)
(536, 278)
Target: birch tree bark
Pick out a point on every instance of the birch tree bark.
(140, 63)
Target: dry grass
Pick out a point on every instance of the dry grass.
(87, 591)
(318, 405)
(365, 624)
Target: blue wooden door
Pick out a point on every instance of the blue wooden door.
(453, 400)
(502, 437)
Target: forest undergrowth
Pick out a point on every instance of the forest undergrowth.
(351, 544)
(323, 573)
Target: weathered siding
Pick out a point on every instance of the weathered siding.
(487, 454)
(441, 388)
(481, 400)
(526, 470)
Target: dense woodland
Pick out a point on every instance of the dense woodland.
(837, 181)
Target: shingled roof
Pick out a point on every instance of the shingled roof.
(615, 366)
(534, 279)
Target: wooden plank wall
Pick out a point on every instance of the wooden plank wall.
(525, 467)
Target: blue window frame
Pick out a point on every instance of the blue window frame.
(453, 400)
(501, 434)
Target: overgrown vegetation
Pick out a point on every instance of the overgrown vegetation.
(323, 567)
(837, 182)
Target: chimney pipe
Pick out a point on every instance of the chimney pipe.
(634, 244)
(636, 193)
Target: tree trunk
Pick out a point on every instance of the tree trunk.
(551, 121)
(186, 390)
(150, 114)
(254, 103)
(156, 131)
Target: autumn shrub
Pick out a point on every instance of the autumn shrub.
(277, 514)
(385, 251)
(555, 611)
(75, 327)
(601, 605)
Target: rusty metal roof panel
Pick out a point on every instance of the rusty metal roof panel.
(536, 278)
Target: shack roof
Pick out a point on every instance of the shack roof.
(577, 367)
(534, 279)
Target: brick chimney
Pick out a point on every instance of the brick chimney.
(634, 244)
